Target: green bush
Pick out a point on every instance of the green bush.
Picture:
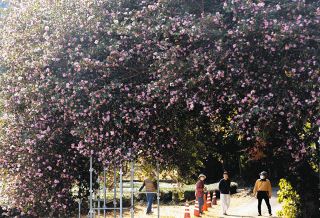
(290, 200)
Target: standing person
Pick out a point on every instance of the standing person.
(224, 188)
(200, 191)
(263, 191)
(151, 189)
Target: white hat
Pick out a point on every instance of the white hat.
(202, 175)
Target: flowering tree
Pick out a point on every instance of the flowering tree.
(115, 79)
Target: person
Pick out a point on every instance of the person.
(224, 188)
(151, 189)
(200, 189)
(263, 191)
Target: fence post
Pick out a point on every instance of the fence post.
(98, 206)
(98, 196)
(91, 191)
(121, 192)
(115, 191)
(104, 192)
(94, 206)
(132, 190)
(79, 196)
(158, 189)
(79, 208)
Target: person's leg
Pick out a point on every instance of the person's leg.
(227, 201)
(202, 203)
(147, 194)
(147, 198)
(223, 202)
(259, 202)
(200, 200)
(149, 202)
(266, 199)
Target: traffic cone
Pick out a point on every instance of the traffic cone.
(196, 211)
(187, 211)
(208, 200)
(204, 207)
(214, 198)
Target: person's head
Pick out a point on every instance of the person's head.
(202, 177)
(263, 175)
(151, 175)
(225, 175)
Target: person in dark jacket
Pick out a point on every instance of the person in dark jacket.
(224, 188)
(200, 189)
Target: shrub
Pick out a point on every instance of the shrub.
(290, 200)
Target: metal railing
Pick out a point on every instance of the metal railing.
(95, 202)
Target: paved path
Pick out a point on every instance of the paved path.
(249, 208)
(241, 206)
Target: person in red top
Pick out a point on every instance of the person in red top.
(200, 189)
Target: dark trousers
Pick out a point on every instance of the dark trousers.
(201, 202)
(150, 197)
(262, 195)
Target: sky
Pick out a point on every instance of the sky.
(2, 4)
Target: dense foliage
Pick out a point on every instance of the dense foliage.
(123, 79)
(290, 200)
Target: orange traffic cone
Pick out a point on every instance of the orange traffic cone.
(187, 211)
(204, 207)
(208, 200)
(214, 198)
(196, 209)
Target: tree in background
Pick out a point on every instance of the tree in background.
(123, 79)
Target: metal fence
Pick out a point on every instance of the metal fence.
(98, 205)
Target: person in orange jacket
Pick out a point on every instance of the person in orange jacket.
(263, 191)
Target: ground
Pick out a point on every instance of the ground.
(242, 205)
